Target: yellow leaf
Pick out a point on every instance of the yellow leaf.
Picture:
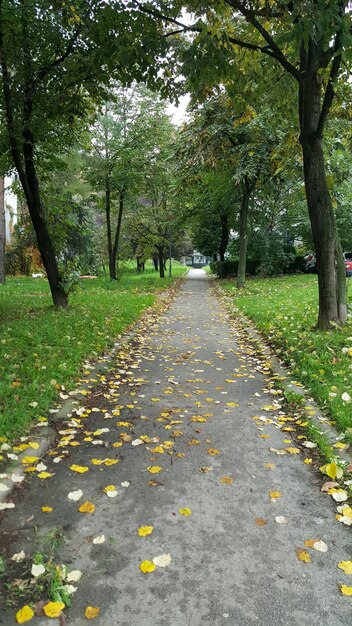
(53, 609)
(44, 475)
(309, 543)
(346, 591)
(275, 494)
(264, 436)
(193, 442)
(24, 614)
(110, 462)
(228, 480)
(79, 468)
(340, 445)
(28, 460)
(143, 531)
(154, 469)
(186, 512)
(346, 566)
(109, 488)
(153, 483)
(213, 451)
(303, 555)
(260, 521)
(158, 449)
(232, 404)
(47, 509)
(92, 612)
(97, 461)
(332, 470)
(117, 444)
(33, 444)
(270, 466)
(293, 450)
(87, 507)
(308, 461)
(198, 419)
(155, 399)
(147, 566)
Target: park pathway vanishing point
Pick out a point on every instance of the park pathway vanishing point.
(184, 400)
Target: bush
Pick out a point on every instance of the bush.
(22, 260)
(226, 269)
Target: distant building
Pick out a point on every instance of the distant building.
(196, 260)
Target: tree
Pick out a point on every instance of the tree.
(55, 60)
(151, 218)
(118, 157)
(311, 41)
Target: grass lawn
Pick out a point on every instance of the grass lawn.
(285, 310)
(42, 349)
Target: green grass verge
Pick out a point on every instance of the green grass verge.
(42, 349)
(285, 310)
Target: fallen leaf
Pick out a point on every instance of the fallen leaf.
(213, 451)
(346, 566)
(205, 469)
(147, 566)
(186, 512)
(44, 475)
(339, 495)
(332, 470)
(47, 509)
(260, 521)
(293, 450)
(92, 612)
(269, 466)
(320, 546)
(280, 519)
(309, 543)
(75, 495)
(99, 539)
(274, 495)
(308, 461)
(154, 469)
(81, 469)
(74, 576)
(228, 480)
(24, 615)
(163, 560)
(302, 555)
(143, 531)
(110, 491)
(18, 556)
(346, 591)
(53, 609)
(37, 570)
(87, 507)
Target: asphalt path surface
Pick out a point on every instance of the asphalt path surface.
(191, 400)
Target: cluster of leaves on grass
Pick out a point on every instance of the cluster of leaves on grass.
(42, 349)
(285, 311)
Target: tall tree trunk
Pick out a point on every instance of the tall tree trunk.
(161, 261)
(112, 263)
(243, 218)
(320, 209)
(118, 228)
(341, 282)
(2, 230)
(224, 237)
(24, 161)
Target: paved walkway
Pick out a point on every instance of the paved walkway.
(184, 400)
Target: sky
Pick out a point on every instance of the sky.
(178, 112)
